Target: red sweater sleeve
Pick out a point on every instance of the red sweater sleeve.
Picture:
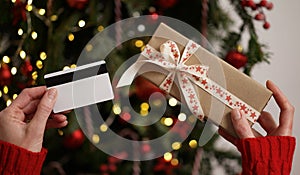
(15, 160)
(272, 155)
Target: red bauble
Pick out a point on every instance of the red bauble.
(74, 140)
(77, 4)
(26, 68)
(236, 59)
(266, 25)
(19, 12)
(144, 88)
(166, 3)
(5, 75)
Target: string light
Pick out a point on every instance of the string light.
(6, 59)
(81, 23)
(15, 96)
(39, 64)
(182, 117)
(5, 89)
(60, 132)
(176, 145)
(144, 113)
(139, 43)
(126, 116)
(144, 106)
(116, 109)
(8, 102)
(103, 127)
(53, 17)
(174, 162)
(168, 156)
(13, 1)
(141, 28)
(34, 75)
(168, 121)
(172, 102)
(42, 11)
(20, 31)
(100, 28)
(13, 70)
(43, 55)
(95, 138)
(89, 47)
(73, 66)
(193, 144)
(66, 68)
(22, 54)
(29, 2)
(34, 35)
(71, 37)
(29, 7)
(0, 93)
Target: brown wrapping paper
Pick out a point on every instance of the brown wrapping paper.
(236, 82)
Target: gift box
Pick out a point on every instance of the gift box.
(209, 86)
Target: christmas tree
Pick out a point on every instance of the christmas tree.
(38, 37)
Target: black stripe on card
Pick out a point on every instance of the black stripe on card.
(75, 75)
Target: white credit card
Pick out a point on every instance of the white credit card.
(81, 86)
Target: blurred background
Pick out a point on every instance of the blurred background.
(260, 38)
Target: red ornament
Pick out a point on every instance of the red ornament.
(77, 4)
(74, 140)
(144, 88)
(259, 16)
(26, 68)
(266, 25)
(166, 3)
(236, 59)
(5, 75)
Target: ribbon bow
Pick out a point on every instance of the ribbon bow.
(169, 58)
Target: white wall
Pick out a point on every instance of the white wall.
(283, 40)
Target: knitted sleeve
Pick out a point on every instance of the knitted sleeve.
(15, 160)
(272, 155)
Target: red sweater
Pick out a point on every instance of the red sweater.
(260, 156)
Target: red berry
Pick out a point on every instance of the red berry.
(250, 3)
(259, 16)
(269, 5)
(263, 3)
(266, 25)
(244, 3)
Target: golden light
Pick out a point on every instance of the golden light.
(34, 35)
(139, 43)
(8, 102)
(0, 94)
(176, 145)
(116, 109)
(144, 106)
(34, 75)
(81, 23)
(15, 96)
(22, 54)
(168, 121)
(53, 17)
(103, 127)
(193, 144)
(29, 2)
(168, 156)
(42, 11)
(71, 37)
(39, 64)
(20, 31)
(89, 47)
(13, 70)
(5, 89)
(96, 138)
(6, 59)
(100, 28)
(60, 132)
(13, 1)
(144, 113)
(73, 66)
(172, 102)
(174, 162)
(66, 68)
(29, 7)
(43, 55)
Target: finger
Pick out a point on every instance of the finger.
(31, 107)
(43, 111)
(58, 117)
(56, 124)
(27, 95)
(240, 124)
(287, 110)
(227, 136)
(267, 122)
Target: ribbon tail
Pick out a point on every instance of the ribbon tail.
(129, 75)
(208, 132)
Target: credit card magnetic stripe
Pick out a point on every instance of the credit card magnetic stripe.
(79, 74)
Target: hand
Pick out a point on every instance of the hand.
(243, 130)
(23, 122)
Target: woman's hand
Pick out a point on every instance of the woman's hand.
(23, 122)
(243, 130)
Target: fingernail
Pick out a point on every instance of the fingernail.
(52, 93)
(236, 115)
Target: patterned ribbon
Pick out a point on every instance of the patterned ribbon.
(169, 58)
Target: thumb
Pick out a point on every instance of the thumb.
(240, 124)
(44, 110)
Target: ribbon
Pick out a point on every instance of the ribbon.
(187, 75)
